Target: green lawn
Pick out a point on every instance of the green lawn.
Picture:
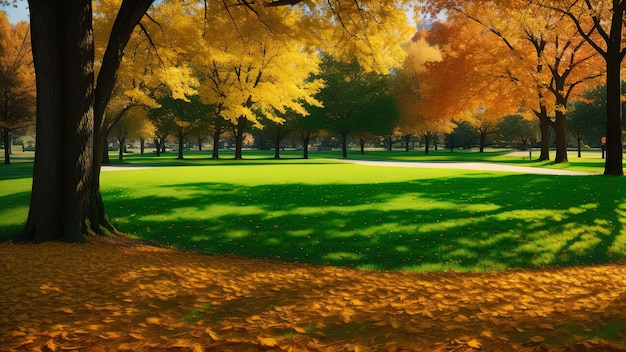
(322, 211)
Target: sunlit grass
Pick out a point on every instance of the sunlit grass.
(321, 211)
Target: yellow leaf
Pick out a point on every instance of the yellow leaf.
(508, 307)
(547, 326)
(152, 320)
(267, 342)
(65, 310)
(474, 344)
(299, 330)
(213, 335)
(461, 318)
(196, 348)
(486, 333)
(428, 314)
(51, 345)
(537, 339)
(136, 336)
(356, 302)
(18, 334)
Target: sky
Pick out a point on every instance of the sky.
(16, 14)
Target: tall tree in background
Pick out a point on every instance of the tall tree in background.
(17, 91)
(601, 24)
(65, 201)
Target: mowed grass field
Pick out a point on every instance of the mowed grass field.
(324, 211)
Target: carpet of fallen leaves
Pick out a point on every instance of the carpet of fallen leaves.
(120, 296)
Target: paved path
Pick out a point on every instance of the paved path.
(481, 166)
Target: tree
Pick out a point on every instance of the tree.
(547, 59)
(133, 125)
(65, 201)
(587, 117)
(17, 93)
(600, 23)
(355, 100)
(516, 131)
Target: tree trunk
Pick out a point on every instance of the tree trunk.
(157, 145)
(481, 143)
(6, 137)
(561, 138)
(306, 138)
(407, 140)
(62, 204)
(544, 127)
(362, 143)
(579, 141)
(199, 144)
(426, 143)
(216, 143)
(239, 130)
(122, 143)
(344, 145)
(181, 143)
(142, 146)
(390, 145)
(614, 149)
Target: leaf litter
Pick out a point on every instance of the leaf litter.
(119, 295)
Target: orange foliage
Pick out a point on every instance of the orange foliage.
(123, 296)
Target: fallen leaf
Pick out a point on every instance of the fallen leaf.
(152, 320)
(474, 344)
(267, 342)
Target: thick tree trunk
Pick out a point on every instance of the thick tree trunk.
(482, 139)
(181, 144)
(306, 138)
(157, 145)
(614, 149)
(239, 130)
(561, 138)
(122, 143)
(407, 140)
(62, 204)
(65, 200)
(544, 128)
(6, 138)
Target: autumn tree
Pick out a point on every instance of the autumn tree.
(65, 201)
(410, 90)
(600, 24)
(132, 126)
(545, 55)
(17, 92)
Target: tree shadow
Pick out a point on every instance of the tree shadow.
(474, 222)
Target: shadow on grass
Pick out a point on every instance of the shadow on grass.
(466, 223)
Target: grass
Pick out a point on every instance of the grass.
(321, 211)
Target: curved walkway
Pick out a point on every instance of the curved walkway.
(479, 166)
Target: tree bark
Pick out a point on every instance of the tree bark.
(614, 149)
(426, 143)
(6, 137)
(544, 128)
(344, 145)
(65, 200)
(306, 138)
(561, 138)
(239, 130)
(120, 155)
(181, 143)
(362, 142)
